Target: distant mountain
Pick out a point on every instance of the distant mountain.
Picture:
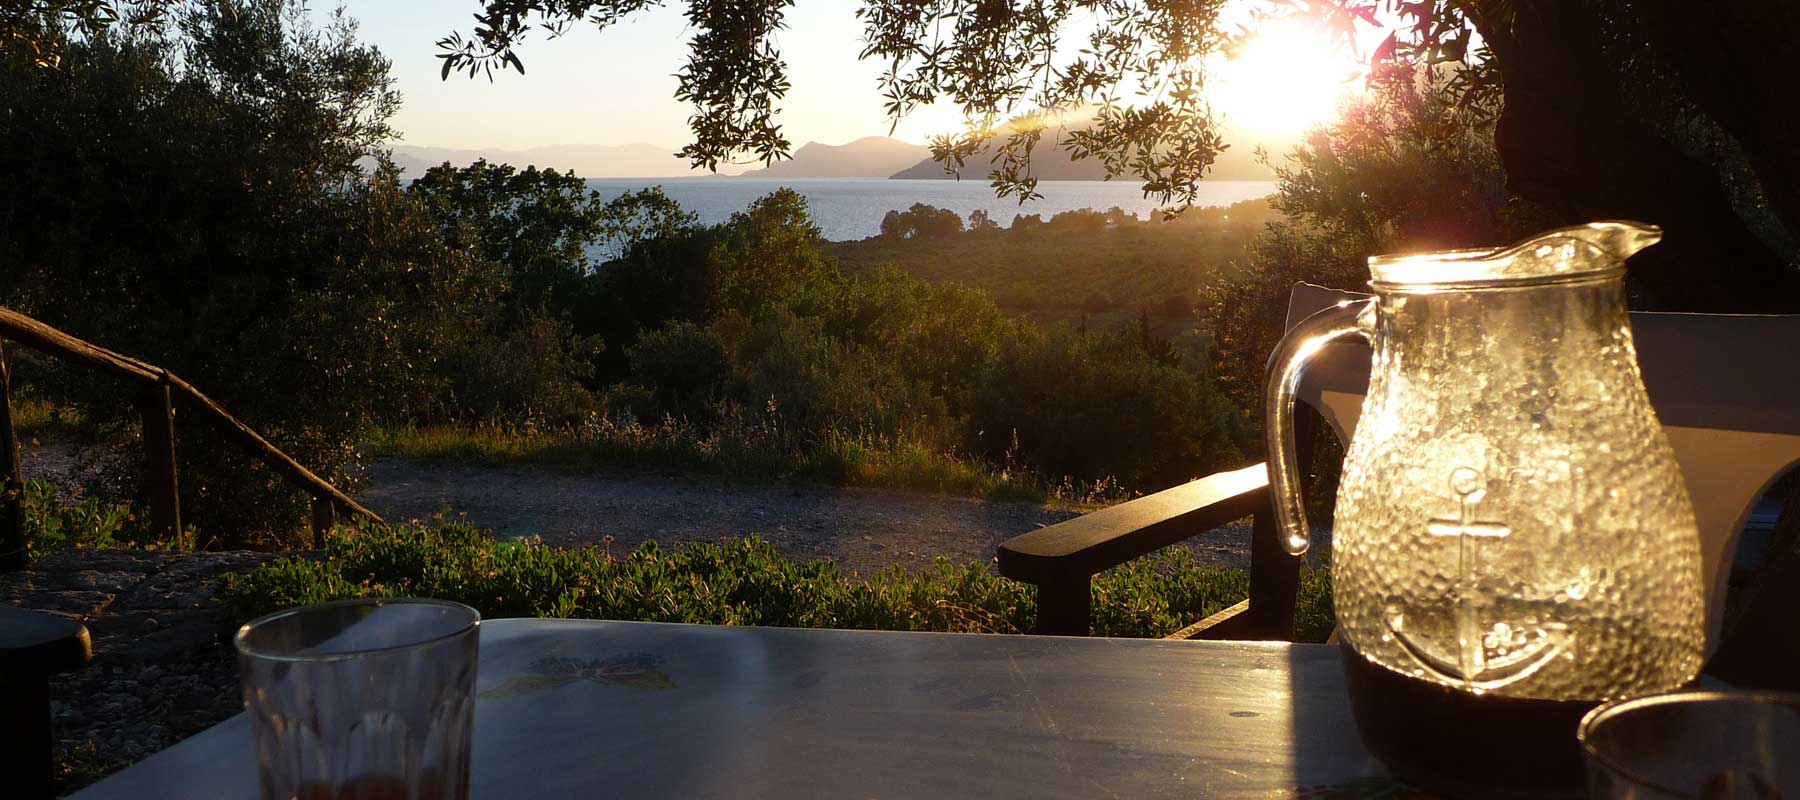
(1052, 163)
(587, 160)
(868, 157)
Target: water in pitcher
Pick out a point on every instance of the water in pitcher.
(1429, 735)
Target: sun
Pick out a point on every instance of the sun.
(1289, 77)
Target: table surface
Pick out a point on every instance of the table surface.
(578, 709)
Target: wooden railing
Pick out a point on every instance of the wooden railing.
(158, 389)
(1062, 559)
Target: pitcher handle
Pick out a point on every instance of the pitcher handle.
(1286, 365)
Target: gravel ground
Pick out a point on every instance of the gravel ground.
(865, 530)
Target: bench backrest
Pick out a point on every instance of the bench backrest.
(1725, 386)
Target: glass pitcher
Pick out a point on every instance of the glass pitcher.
(1511, 522)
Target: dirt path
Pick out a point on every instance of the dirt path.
(864, 529)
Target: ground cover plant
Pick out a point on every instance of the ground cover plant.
(730, 582)
(55, 520)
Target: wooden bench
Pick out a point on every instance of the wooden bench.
(1063, 558)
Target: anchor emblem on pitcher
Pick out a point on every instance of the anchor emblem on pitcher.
(1516, 651)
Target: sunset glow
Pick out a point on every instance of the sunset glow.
(1287, 79)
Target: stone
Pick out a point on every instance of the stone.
(109, 581)
(155, 634)
(79, 603)
(191, 582)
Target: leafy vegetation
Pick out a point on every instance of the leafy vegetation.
(731, 582)
(1102, 267)
(55, 521)
(322, 304)
(223, 229)
(1668, 112)
(744, 453)
(924, 222)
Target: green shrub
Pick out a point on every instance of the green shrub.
(729, 582)
(532, 372)
(286, 583)
(683, 365)
(1097, 406)
(54, 522)
(924, 222)
(223, 229)
(1314, 614)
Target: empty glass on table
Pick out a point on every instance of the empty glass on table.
(362, 699)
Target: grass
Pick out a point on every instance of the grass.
(39, 419)
(836, 458)
(731, 582)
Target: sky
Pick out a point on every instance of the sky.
(617, 86)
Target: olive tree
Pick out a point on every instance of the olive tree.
(1671, 112)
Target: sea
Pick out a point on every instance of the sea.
(847, 209)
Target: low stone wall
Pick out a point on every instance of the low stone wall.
(138, 605)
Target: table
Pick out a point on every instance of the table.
(583, 709)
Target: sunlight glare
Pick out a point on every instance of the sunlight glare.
(942, 117)
(1287, 79)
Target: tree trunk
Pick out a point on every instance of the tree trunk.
(1736, 58)
(1568, 143)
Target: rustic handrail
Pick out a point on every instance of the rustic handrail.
(1062, 559)
(160, 387)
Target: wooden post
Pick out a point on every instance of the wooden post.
(324, 516)
(12, 480)
(1275, 575)
(1064, 606)
(161, 489)
(1274, 580)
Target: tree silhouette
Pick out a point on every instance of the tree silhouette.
(1676, 113)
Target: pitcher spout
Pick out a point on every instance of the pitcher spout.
(1561, 254)
(1620, 239)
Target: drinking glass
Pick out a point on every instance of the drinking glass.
(368, 699)
(1706, 745)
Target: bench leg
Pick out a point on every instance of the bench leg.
(1274, 582)
(1063, 607)
(25, 760)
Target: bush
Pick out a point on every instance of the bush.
(54, 522)
(730, 582)
(928, 222)
(684, 366)
(1084, 220)
(938, 335)
(532, 372)
(223, 229)
(1094, 406)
